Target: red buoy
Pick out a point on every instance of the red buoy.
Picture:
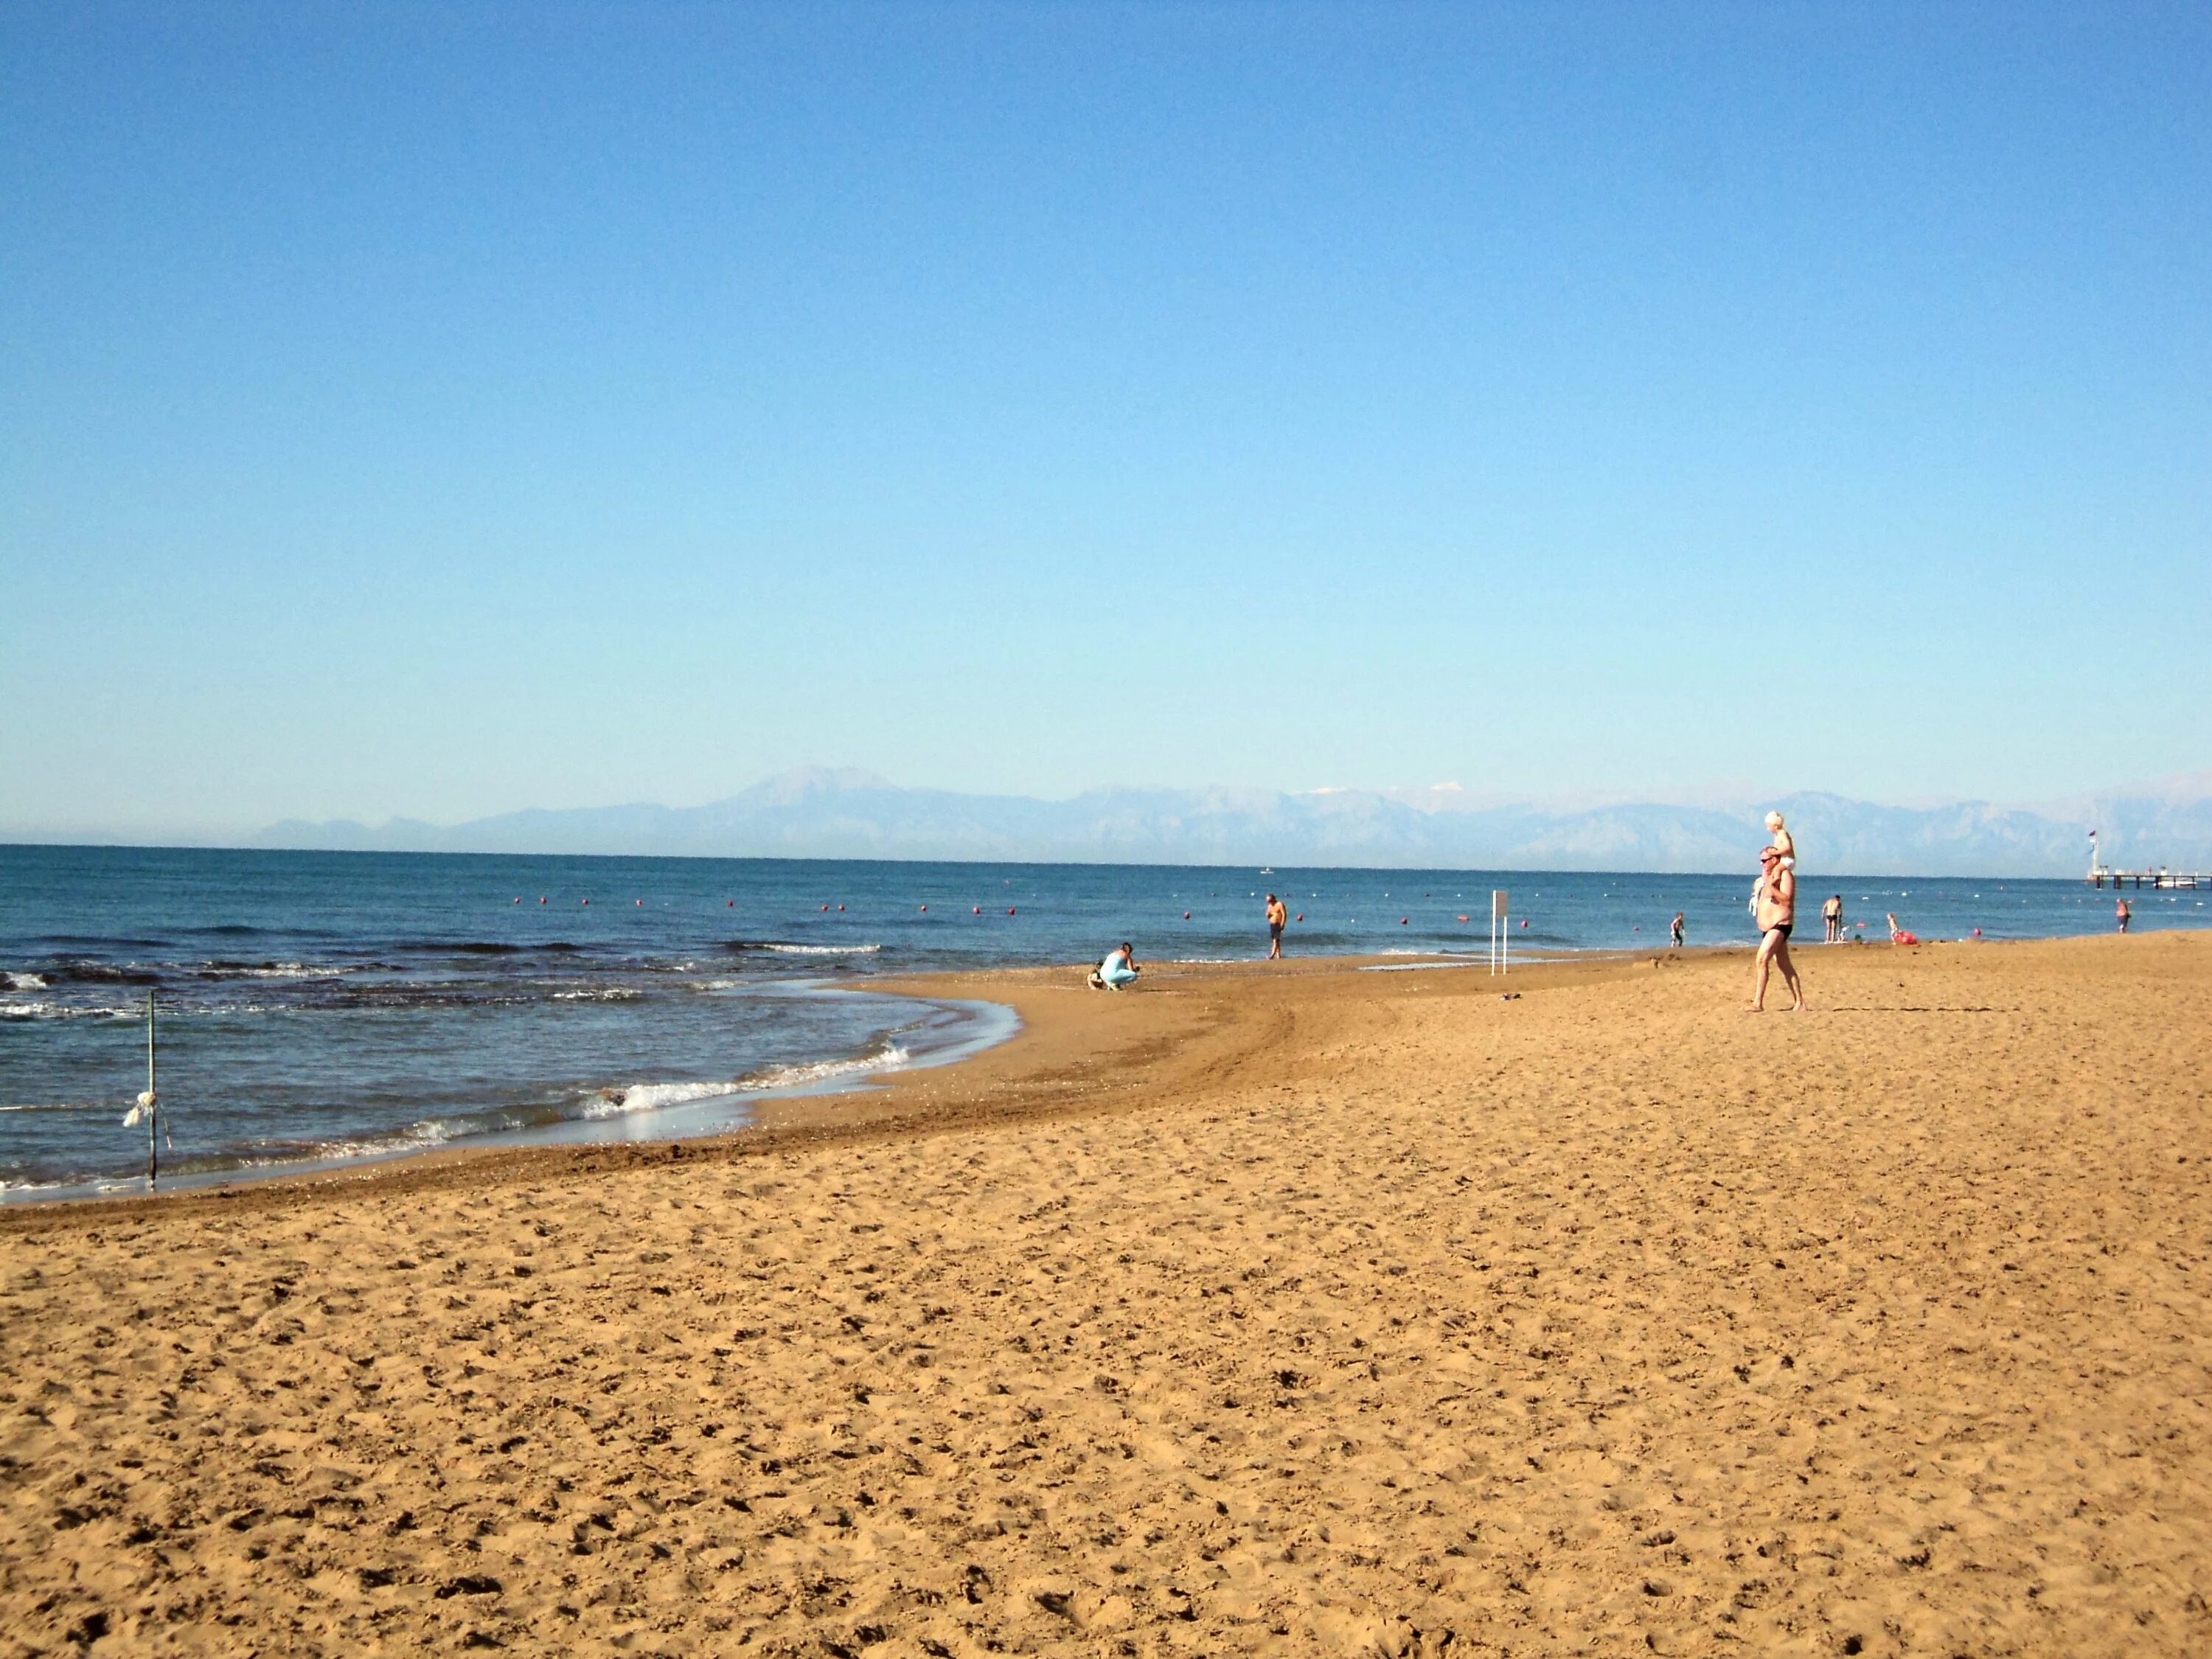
(1462, 918)
(733, 904)
(541, 898)
(1524, 921)
(825, 906)
(1185, 915)
(924, 909)
(1010, 909)
(977, 911)
(840, 907)
(518, 898)
(1301, 915)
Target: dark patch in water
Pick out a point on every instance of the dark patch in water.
(98, 973)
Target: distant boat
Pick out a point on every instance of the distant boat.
(1268, 871)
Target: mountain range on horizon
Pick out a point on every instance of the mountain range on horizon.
(825, 812)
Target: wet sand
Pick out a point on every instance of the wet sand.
(1282, 1309)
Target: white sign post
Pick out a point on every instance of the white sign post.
(1498, 923)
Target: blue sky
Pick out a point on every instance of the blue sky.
(446, 408)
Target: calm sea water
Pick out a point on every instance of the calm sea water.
(322, 1007)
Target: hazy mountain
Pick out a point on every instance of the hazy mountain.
(822, 813)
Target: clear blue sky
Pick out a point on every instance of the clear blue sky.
(437, 409)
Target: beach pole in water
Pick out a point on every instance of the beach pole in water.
(147, 1102)
(148, 1099)
(1499, 933)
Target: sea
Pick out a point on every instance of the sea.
(319, 1010)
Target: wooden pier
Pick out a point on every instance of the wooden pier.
(2177, 880)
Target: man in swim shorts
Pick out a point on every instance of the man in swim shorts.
(1778, 915)
(1674, 932)
(1832, 914)
(1276, 916)
(2123, 915)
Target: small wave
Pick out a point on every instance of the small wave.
(889, 1058)
(786, 948)
(104, 973)
(25, 981)
(16, 1009)
(651, 1097)
(416, 1137)
(599, 993)
(269, 970)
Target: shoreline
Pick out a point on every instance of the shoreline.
(866, 1105)
(1272, 1308)
(865, 1102)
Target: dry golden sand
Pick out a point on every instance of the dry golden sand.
(1283, 1311)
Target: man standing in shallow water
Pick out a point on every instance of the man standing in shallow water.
(1778, 915)
(1278, 916)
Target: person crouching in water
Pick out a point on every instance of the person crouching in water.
(1778, 915)
(1119, 969)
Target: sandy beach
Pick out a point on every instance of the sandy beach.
(1282, 1309)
